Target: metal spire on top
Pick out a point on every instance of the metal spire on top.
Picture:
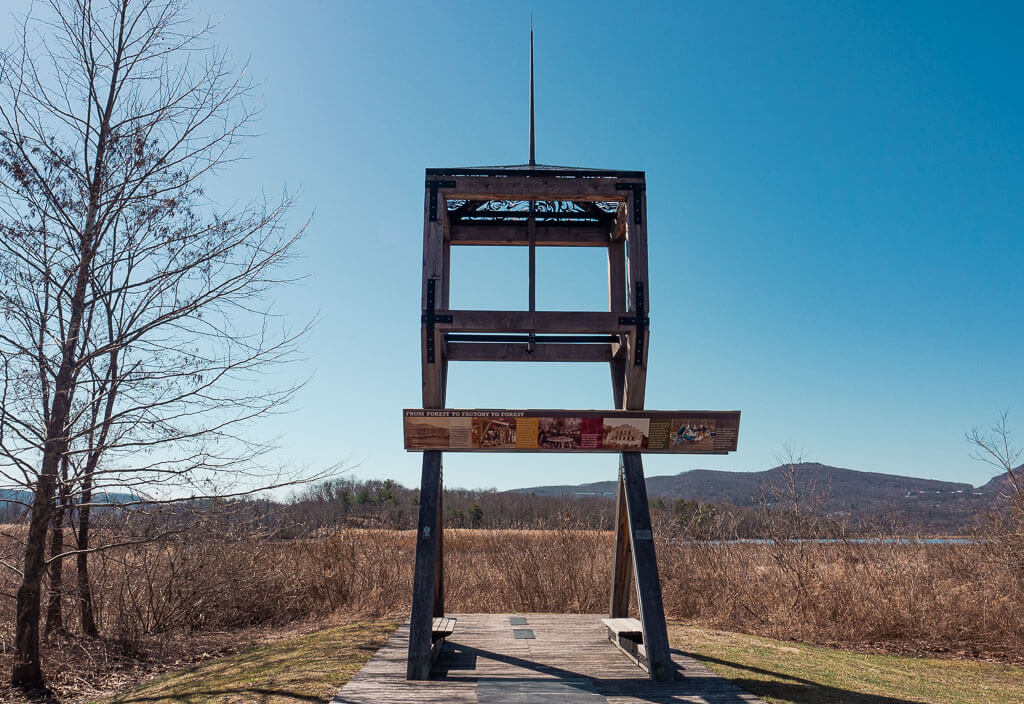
(533, 154)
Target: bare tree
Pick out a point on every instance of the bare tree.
(796, 494)
(996, 448)
(135, 336)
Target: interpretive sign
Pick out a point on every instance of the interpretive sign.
(506, 430)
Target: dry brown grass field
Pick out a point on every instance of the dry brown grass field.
(161, 601)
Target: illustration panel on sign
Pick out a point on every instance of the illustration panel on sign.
(426, 433)
(559, 433)
(626, 433)
(693, 434)
(494, 432)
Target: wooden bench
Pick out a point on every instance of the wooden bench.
(439, 630)
(627, 634)
(442, 628)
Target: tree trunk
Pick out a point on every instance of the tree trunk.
(27, 672)
(85, 602)
(55, 597)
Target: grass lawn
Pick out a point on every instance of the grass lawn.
(794, 673)
(310, 668)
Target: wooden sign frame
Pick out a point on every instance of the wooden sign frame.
(561, 430)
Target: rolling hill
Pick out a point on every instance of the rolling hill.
(930, 503)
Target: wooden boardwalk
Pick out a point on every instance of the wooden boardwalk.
(568, 661)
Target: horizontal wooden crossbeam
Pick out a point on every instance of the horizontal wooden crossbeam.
(551, 322)
(542, 352)
(516, 187)
(518, 234)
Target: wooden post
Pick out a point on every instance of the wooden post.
(623, 560)
(428, 577)
(425, 575)
(645, 569)
(638, 296)
(439, 569)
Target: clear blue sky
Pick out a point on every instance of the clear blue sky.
(836, 207)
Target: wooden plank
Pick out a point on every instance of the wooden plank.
(424, 576)
(517, 234)
(569, 649)
(543, 352)
(624, 626)
(645, 569)
(542, 322)
(519, 187)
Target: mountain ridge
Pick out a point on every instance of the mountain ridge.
(934, 503)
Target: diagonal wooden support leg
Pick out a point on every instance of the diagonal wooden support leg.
(645, 569)
(622, 567)
(424, 584)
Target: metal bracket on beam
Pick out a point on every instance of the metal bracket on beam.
(430, 318)
(433, 186)
(638, 189)
(642, 322)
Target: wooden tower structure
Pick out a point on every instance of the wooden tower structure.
(535, 206)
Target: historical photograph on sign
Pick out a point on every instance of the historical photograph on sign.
(693, 434)
(558, 433)
(626, 433)
(426, 433)
(494, 432)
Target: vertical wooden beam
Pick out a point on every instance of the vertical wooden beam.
(433, 270)
(428, 577)
(425, 575)
(636, 242)
(645, 566)
(622, 564)
(445, 303)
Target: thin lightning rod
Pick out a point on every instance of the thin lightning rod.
(533, 149)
